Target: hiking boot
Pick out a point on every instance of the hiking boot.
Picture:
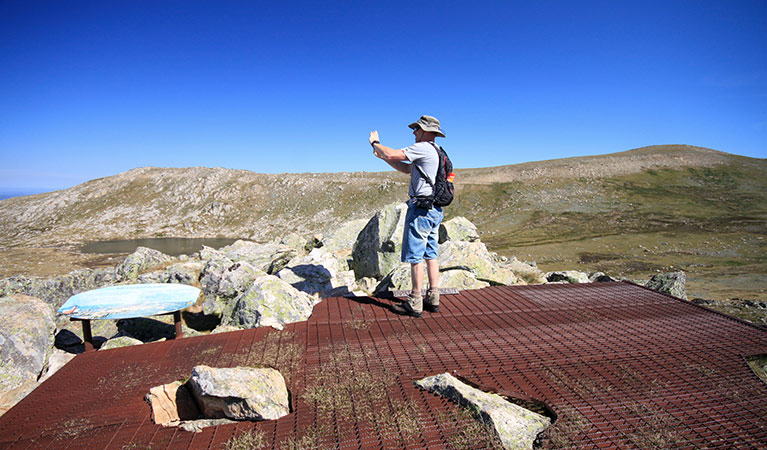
(413, 306)
(431, 302)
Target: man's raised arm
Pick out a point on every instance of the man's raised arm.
(393, 157)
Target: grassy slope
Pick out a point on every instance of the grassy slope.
(709, 221)
(627, 214)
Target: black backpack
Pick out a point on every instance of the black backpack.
(442, 188)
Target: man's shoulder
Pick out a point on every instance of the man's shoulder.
(424, 149)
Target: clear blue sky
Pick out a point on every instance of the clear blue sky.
(91, 89)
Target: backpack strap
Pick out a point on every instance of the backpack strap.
(423, 174)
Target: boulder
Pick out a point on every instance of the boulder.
(57, 290)
(237, 279)
(377, 250)
(120, 341)
(529, 273)
(233, 283)
(240, 393)
(216, 263)
(186, 272)
(671, 283)
(567, 277)
(475, 257)
(140, 261)
(342, 239)
(270, 301)
(399, 279)
(458, 229)
(294, 241)
(57, 360)
(171, 403)
(267, 257)
(367, 285)
(27, 327)
(316, 273)
(600, 277)
(515, 426)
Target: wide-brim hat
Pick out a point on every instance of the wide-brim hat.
(428, 123)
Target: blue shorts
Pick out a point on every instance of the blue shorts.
(420, 239)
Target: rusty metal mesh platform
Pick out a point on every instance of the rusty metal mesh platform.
(620, 366)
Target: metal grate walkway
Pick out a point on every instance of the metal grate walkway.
(619, 366)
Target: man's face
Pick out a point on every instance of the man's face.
(418, 133)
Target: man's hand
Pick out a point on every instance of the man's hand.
(373, 137)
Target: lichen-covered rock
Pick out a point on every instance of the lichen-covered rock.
(216, 263)
(267, 257)
(27, 327)
(120, 341)
(367, 285)
(567, 276)
(140, 261)
(475, 257)
(671, 283)
(270, 301)
(516, 427)
(342, 239)
(237, 278)
(57, 290)
(529, 273)
(182, 272)
(458, 229)
(377, 250)
(240, 393)
(234, 281)
(295, 241)
(399, 279)
(316, 273)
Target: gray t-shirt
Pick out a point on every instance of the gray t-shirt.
(424, 155)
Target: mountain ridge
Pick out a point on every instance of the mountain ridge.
(583, 210)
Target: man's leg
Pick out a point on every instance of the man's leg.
(431, 301)
(416, 277)
(413, 306)
(432, 271)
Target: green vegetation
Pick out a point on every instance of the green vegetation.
(248, 440)
(628, 214)
(710, 222)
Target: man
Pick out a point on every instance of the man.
(419, 241)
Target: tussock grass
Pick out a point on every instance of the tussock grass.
(248, 440)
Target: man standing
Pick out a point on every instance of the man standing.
(419, 241)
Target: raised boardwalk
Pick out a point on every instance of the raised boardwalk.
(619, 366)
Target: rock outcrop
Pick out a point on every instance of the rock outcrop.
(458, 229)
(567, 277)
(270, 301)
(139, 261)
(27, 328)
(516, 427)
(240, 393)
(269, 258)
(172, 403)
(671, 283)
(318, 273)
(475, 257)
(378, 247)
